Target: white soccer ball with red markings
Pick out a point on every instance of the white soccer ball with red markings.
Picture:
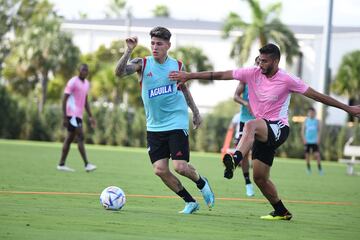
(112, 198)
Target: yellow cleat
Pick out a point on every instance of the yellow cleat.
(275, 216)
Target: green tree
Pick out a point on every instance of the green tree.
(105, 85)
(347, 80)
(115, 8)
(83, 15)
(13, 115)
(265, 26)
(161, 11)
(41, 50)
(210, 136)
(193, 58)
(13, 19)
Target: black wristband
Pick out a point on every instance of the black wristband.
(211, 76)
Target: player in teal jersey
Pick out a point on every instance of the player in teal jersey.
(310, 133)
(167, 121)
(241, 97)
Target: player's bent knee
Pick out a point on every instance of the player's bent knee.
(158, 171)
(250, 125)
(259, 180)
(181, 168)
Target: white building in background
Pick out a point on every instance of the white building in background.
(89, 34)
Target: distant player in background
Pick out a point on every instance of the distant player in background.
(241, 96)
(167, 119)
(74, 101)
(311, 132)
(235, 124)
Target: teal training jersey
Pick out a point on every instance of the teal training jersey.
(165, 105)
(311, 130)
(245, 114)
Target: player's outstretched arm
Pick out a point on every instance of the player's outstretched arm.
(238, 94)
(190, 102)
(124, 68)
(319, 97)
(64, 102)
(182, 77)
(88, 110)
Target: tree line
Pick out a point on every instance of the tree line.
(37, 58)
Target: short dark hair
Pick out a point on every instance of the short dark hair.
(160, 32)
(311, 109)
(271, 49)
(83, 65)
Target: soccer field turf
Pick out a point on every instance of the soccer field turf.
(39, 202)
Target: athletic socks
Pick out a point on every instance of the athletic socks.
(308, 166)
(247, 178)
(279, 207)
(185, 195)
(237, 157)
(200, 183)
(319, 167)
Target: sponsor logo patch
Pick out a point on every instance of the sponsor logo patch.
(161, 90)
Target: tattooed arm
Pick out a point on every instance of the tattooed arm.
(123, 67)
(190, 101)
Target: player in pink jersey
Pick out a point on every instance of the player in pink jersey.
(74, 102)
(269, 97)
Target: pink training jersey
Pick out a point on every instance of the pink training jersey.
(77, 89)
(269, 98)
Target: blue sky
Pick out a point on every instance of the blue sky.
(304, 12)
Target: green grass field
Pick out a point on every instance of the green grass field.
(39, 202)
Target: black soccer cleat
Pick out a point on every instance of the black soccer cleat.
(229, 166)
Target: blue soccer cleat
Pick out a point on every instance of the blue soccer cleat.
(190, 207)
(249, 190)
(208, 194)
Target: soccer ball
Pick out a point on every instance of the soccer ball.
(112, 198)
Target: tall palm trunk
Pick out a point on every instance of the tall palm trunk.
(44, 82)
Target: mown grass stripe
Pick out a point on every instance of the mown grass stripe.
(175, 197)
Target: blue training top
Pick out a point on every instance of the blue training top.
(165, 105)
(311, 130)
(245, 114)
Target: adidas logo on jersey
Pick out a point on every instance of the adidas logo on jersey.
(149, 74)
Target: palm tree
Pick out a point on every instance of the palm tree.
(115, 9)
(161, 11)
(105, 85)
(40, 51)
(264, 27)
(193, 58)
(14, 17)
(347, 80)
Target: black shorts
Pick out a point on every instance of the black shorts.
(241, 128)
(278, 132)
(313, 147)
(172, 144)
(72, 126)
